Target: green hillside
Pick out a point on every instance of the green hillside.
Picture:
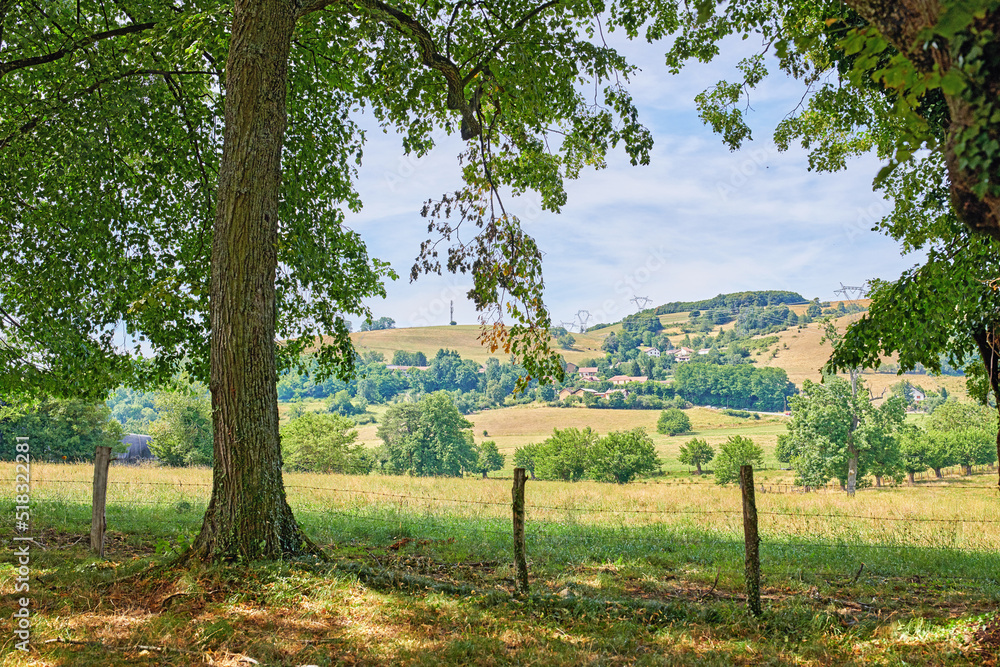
(799, 350)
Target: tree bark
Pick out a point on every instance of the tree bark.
(988, 350)
(248, 516)
(852, 463)
(909, 478)
(901, 22)
(698, 465)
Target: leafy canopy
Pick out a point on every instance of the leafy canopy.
(110, 147)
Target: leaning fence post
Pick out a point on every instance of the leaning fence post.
(752, 560)
(98, 522)
(520, 564)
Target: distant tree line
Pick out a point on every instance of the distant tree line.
(733, 301)
(743, 387)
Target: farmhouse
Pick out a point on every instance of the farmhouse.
(566, 393)
(682, 353)
(624, 379)
(606, 394)
(588, 373)
(653, 352)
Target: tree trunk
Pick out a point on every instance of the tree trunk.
(852, 471)
(484, 474)
(852, 463)
(966, 470)
(909, 478)
(937, 473)
(988, 350)
(248, 516)
(878, 480)
(901, 23)
(698, 465)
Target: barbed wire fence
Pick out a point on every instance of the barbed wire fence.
(699, 541)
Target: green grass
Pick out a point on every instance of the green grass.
(647, 573)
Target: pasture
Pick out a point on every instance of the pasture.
(419, 573)
(519, 425)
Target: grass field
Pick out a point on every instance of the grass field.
(517, 426)
(462, 338)
(647, 573)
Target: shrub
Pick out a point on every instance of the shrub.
(621, 456)
(564, 455)
(524, 457)
(182, 433)
(490, 458)
(429, 437)
(323, 443)
(673, 421)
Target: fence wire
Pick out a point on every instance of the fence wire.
(566, 538)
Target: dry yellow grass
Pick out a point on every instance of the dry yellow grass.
(953, 513)
(805, 354)
(462, 338)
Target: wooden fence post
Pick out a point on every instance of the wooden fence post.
(752, 539)
(98, 522)
(520, 564)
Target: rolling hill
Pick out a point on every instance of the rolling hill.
(800, 351)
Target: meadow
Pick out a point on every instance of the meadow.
(419, 573)
(519, 425)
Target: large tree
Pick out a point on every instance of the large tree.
(128, 204)
(835, 431)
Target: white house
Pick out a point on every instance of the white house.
(653, 352)
(623, 379)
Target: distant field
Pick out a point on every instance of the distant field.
(517, 426)
(806, 354)
(462, 338)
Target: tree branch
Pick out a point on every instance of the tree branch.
(23, 63)
(30, 125)
(429, 54)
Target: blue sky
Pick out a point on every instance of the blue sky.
(698, 221)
